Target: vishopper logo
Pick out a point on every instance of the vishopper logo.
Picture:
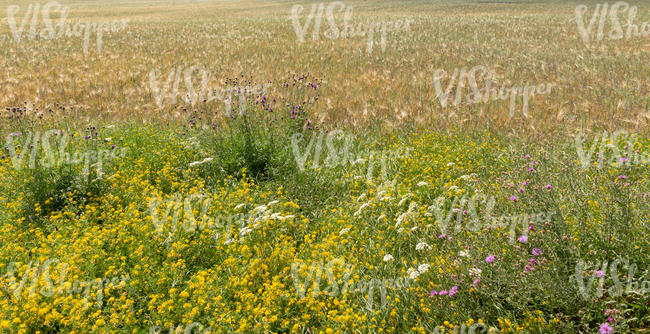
(481, 73)
(61, 28)
(599, 272)
(609, 151)
(348, 29)
(336, 270)
(601, 14)
(40, 275)
(170, 90)
(53, 157)
(342, 151)
(195, 327)
(467, 210)
(183, 216)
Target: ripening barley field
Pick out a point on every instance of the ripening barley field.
(358, 166)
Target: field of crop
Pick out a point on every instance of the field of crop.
(358, 166)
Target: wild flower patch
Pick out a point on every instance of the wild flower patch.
(40, 273)
(51, 149)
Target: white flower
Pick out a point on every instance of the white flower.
(414, 228)
(423, 268)
(452, 188)
(421, 246)
(381, 217)
(361, 197)
(344, 231)
(475, 272)
(261, 208)
(108, 139)
(463, 254)
(388, 258)
(450, 164)
(194, 163)
(413, 274)
(239, 206)
(272, 202)
(401, 229)
(422, 184)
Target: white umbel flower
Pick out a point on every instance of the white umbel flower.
(344, 231)
(422, 246)
(422, 184)
(388, 258)
(413, 274)
(463, 254)
(423, 268)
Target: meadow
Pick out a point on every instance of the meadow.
(366, 166)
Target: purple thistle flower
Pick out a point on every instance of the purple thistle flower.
(605, 328)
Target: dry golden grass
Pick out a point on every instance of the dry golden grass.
(602, 85)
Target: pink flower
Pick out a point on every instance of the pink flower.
(548, 186)
(513, 198)
(476, 281)
(443, 292)
(524, 183)
(523, 239)
(605, 328)
(489, 259)
(531, 169)
(536, 251)
(610, 319)
(453, 290)
(442, 236)
(527, 156)
(622, 177)
(624, 159)
(599, 273)
(433, 293)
